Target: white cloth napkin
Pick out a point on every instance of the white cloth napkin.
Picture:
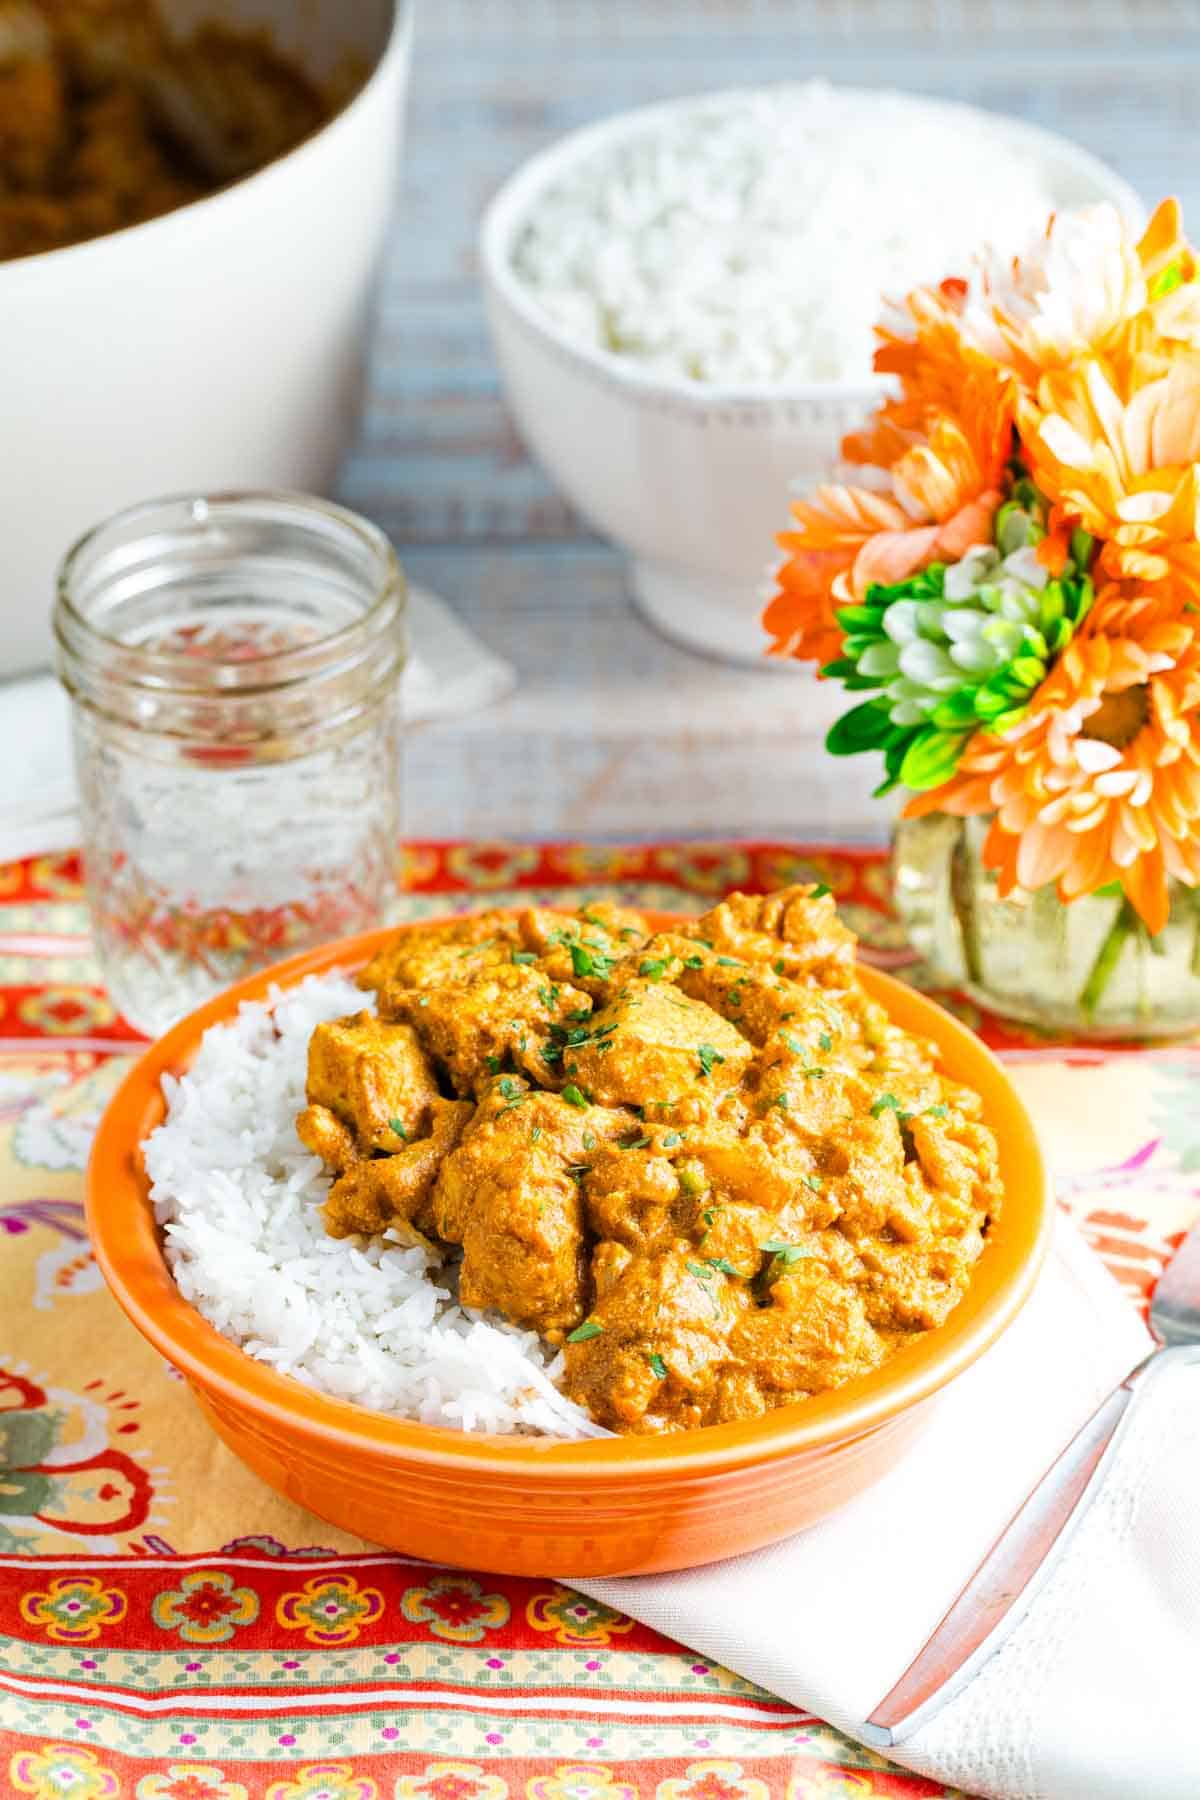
(449, 671)
(1097, 1692)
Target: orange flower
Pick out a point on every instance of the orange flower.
(1088, 288)
(1101, 781)
(1122, 464)
(945, 477)
(921, 344)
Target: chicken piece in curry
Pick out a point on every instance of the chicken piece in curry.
(704, 1161)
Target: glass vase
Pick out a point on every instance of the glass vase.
(1087, 970)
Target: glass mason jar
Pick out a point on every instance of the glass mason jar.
(234, 666)
(1088, 970)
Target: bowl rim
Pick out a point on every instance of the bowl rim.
(511, 204)
(127, 1245)
(395, 47)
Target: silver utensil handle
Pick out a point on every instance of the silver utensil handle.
(1008, 1579)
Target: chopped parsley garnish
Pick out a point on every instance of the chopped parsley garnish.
(719, 1263)
(548, 997)
(589, 1140)
(535, 1134)
(813, 1182)
(590, 962)
(693, 962)
(582, 1334)
(524, 956)
(577, 1171)
(779, 965)
(889, 1103)
(575, 1096)
(638, 1143)
(493, 1063)
(708, 1215)
(731, 962)
(699, 1270)
(819, 892)
(825, 1042)
(785, 1254)
(672, 1138)
(653, 968)
(658, 1366)
(811, 1071)
(708, 1058)
(508, 1087)
(781, 1101)
(399, 1127)
(593, 920)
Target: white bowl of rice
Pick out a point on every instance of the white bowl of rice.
(681, 300)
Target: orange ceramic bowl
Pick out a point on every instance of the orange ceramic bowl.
(530, 1506)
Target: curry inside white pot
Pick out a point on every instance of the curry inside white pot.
(218, 346)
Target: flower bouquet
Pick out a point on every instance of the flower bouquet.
(1013, 591)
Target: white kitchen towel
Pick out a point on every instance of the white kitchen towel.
(449, 671)
(1097, 1692)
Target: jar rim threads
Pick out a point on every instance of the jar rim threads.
(117, 578)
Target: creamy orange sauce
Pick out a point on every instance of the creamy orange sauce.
(703, 1160)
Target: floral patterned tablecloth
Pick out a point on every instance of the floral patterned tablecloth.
(172, 1630)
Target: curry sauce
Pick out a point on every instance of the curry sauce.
(704, 1160)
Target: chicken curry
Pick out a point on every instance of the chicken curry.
(106, 120)
(702, 1160)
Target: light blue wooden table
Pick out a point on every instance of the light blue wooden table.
(612, 732)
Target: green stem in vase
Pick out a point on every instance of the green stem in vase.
(966, 909)
(1123, 927)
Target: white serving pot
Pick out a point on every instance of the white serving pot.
(220, 346)
(692, 480)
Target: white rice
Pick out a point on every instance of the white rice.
(750, 237)
(239, 1199)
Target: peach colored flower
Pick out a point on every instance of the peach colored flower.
(946, 485)
(1072, 295)
(1101, 781)
(1123, 464)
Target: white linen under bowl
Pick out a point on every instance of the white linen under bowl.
(220, 346)
(692, 479)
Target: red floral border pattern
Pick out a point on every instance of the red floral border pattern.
(467, 875)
